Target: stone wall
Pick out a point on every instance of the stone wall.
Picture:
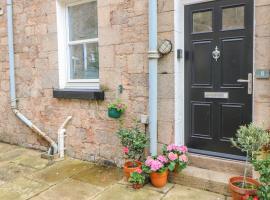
(123, 41)
(262, 61)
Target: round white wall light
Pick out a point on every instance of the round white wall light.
(165, 47)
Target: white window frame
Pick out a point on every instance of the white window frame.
(63, 48)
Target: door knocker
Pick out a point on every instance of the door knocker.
(216, 54)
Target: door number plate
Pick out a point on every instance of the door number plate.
(216, 95)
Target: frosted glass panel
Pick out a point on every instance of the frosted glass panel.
(202, 21)
(233, 18)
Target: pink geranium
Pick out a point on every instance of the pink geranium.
(125, 150)
(183, 158)
(183, 149)
(156, 165)
(139, 170)
(162, 159)
(148, 161)
(172, 156)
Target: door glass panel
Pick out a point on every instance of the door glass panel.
(233, 18)
(202, 21)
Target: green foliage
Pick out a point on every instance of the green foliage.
(137, 178)
(263, 167)
(171, 166)
(250, 139)
(135, 140)
(118, 105)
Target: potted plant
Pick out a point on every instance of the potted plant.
(157, 167)
(263, 167)
(116, 109)
(177, 156)
(250, 197)
(249, 139)
(137, 179)
(265, 151)
(134, 142)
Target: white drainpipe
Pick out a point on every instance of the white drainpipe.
(153, 56)
(61, 138)
(54, 148)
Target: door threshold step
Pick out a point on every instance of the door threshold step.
(219, 164)
(204, 179)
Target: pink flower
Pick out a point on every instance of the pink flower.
(183, 149)
(172, 156)
(170, 147)
(183, 158)
(125, 150)
(156, 165)
(162, 159)
(148, 161)
(139, 170)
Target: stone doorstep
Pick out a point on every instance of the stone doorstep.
(219, 164)
(204, 179)
(209, 173)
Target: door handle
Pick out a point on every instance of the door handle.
(249, 81)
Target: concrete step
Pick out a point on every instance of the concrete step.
(219, 164)
(209, 173)
(204, 179)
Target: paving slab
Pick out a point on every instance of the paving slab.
(11, 171)
(60, 171)
(69, 190)
(102, 176)
(163, 190)
(32, 161)
(22, 188)
(186, 193)
(4, 148)
(12, 154)
(123, 192)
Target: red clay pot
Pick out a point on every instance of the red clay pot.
(237, 192)
(159, 179)
(137, 186)
(128, 169)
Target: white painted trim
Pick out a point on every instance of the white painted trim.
(63, 47)
(179, 66)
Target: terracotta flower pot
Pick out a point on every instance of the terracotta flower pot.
(159, 179)
(237, 192)
(128, 168)
(137, 186)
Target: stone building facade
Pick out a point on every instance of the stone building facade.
(123, 58)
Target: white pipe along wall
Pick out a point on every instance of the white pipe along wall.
(53, 148)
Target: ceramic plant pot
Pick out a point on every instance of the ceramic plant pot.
(129, 168)
(237, 192)
(113, 113)
(137, 186)
(159, 179)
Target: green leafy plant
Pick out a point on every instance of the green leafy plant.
(133, 141)
(117, 105)
(263, 167)
(137, 177)
(250, 139)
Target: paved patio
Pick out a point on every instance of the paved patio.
(25, 175)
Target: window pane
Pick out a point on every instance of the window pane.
(84, 61)
(202, 21)
(83, 21)
(233, 18)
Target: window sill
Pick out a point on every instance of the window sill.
(85, 94)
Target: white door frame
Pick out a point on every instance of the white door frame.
(179, 66)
